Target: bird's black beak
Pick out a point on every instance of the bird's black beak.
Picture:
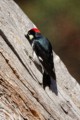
(27, 36)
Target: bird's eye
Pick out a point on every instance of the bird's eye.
(31, 37)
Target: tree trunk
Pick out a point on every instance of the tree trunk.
(22, 96)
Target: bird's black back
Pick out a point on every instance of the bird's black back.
(43, 49)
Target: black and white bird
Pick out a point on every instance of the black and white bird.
(42, 53)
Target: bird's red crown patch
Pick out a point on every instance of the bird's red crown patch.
(36, 30)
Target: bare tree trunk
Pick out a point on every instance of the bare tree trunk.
(21, 95)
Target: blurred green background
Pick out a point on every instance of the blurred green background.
(59, 21)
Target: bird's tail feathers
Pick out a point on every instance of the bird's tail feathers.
(46, 79)
(53, 75)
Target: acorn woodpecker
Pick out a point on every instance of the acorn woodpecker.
(42, 52)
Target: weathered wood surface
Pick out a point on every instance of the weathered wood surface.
(21, 95)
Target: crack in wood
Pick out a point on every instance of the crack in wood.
(64, 110)
(24, 118)
(67, 110)
(34, 113)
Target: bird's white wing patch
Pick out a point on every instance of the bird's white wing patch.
(40, 58)
(35, 58)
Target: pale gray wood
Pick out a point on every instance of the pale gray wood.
(21, 95)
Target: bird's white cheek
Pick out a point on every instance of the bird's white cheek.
(31, 37)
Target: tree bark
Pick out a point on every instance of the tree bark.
(22, 96)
